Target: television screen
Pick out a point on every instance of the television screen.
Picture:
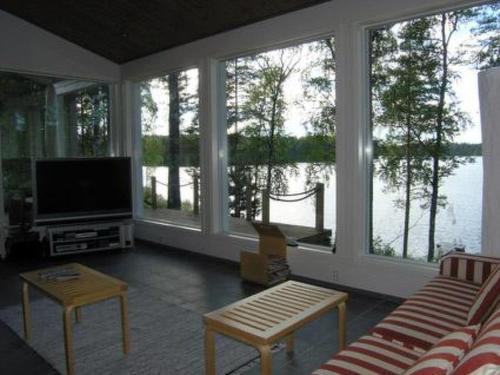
(72, 189)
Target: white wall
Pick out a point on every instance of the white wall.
(26, 48)
(346, 19)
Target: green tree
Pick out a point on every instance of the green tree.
(149, 108)
(243, 191)
(406, 112)
(318, 81)
(174, 120)
(413, 96)
(265, 110)
(153, 150)
(91, 118)
(449, 120)
(487, 34)
(180, 102)
(383, 45)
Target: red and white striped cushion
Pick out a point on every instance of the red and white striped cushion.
(469, 267)
(487, 299)
(436, 310)
(484, 356)
(370, 356)
(444, 356)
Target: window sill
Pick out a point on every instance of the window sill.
(166, 223)
(381, 259)
(301, 246)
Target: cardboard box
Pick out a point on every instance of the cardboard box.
(257, 267)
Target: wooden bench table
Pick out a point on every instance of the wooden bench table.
(270, 316)
(91, 287)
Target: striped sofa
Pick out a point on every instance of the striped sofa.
(423, 321)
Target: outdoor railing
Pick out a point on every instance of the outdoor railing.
(318, 192)
(196, 193)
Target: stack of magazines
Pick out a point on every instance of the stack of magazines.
(277, 268)
(60, 274)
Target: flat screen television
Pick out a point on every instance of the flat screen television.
(68, 190)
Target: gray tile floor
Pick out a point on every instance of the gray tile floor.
(195, 282)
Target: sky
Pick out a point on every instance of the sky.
(465, 87)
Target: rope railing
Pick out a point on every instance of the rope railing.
(161, 183)
(291, 200)
(313, 190)
(277, 197)
(166, 184)
(196, 193)
(318, 192)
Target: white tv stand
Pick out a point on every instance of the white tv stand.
(88, 237)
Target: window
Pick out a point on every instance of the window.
(426, 185)
(170, 148)
(281, 141)
(46, 117)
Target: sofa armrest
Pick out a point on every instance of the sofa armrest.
(469, 267)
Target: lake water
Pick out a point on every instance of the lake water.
(458, 223)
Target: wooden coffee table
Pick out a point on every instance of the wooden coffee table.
(91, 287)
(272, 315)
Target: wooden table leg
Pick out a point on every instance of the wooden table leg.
(341, 325)
(266, 364)
(26, 312)
(209, 351)
(290, 342)
(124, 316)
(68, 340)
(78, 314)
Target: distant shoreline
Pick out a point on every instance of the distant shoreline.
(308, 149)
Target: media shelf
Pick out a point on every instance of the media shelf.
(88, 237)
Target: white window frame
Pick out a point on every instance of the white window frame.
(133, 113)
(365, 87)
(222, 134)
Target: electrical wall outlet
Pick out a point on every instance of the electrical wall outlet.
(335, 276)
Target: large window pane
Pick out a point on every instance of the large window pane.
(170, 148)
(46, 117)
(427, 167)
(281, 141)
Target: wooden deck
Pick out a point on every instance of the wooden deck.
(295, 232)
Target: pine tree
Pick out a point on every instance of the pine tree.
(383, 45)
(265, 111)
(405, 111)
(448, 119)
(179, 103)
(318, 80)
(243, 191)
(487, 33)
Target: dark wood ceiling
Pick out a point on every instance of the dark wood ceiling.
(124, 30)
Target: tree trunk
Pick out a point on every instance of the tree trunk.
(95, 141)
(272, 130)
(71, 132)
(372, 161)
(174, 116)
(409, 181)
(238, 186)
(83, 129)
(438, 142)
